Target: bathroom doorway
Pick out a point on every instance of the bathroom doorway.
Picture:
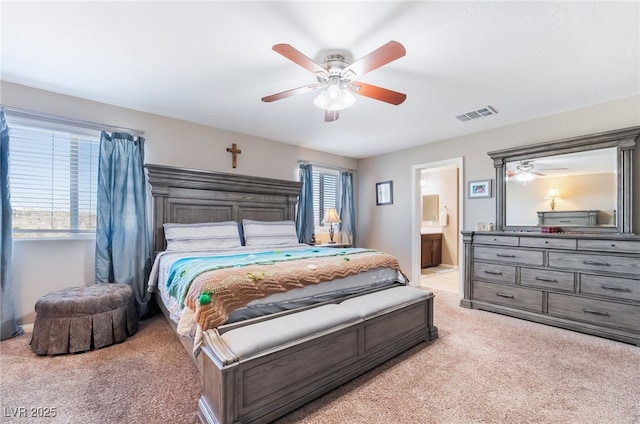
(437, 214)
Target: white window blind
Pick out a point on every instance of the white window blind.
(53, 179)
(325, 196)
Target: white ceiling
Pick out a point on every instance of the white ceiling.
(211, 62)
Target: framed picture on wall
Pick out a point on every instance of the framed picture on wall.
(479, 189)
(384, 193)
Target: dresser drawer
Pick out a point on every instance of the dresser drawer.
(510, 255)
(508, 295)
(552, 243)
(498, 240)
(602, 263)
(544, 278)
(627, 246)
(619, 288)
(595, 311)
(494, 272)
(568, 220)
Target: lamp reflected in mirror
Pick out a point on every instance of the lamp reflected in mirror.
(552, 195)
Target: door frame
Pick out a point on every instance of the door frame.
(416, 222)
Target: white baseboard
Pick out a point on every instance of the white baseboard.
(27, 328)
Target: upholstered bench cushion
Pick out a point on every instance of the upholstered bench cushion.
(77, 319)
(246, 341)
(374, 303)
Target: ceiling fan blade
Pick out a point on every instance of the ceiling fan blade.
(331, 115)
(297, 57)
(378, 93)
(381, 56)
(292, 92)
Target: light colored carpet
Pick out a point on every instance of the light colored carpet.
(484, 368)
(146, 379)
(489, 368)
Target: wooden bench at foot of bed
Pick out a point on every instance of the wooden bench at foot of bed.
(261, 371)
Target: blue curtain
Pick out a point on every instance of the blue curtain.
(347, 211)
(9, 327)
(304, 218)
(122, 227)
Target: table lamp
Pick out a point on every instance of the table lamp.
(331, 217)
(553, 194)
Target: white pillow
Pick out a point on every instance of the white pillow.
(202, 236)
(269, 233)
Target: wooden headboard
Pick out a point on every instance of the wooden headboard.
(189, 196)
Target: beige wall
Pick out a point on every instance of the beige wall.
(389, 228)
(44, 266)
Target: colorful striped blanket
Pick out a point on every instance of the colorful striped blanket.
(214, 286)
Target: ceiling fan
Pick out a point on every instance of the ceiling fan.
(525, 171)
(524, 167)
(336, 78)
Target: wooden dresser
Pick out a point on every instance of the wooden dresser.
(582, 218)
(583, 282)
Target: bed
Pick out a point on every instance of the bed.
(270, 323)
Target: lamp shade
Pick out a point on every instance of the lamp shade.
(331, 216)
(553, 194)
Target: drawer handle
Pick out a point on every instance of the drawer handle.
(508, 296)
(618, 289)
(493, 272)
(565, 220)
(502, 255)
(598, 263)
(591, 311)
(547, 280)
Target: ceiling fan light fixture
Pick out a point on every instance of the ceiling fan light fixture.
(333, 92)
(334, 98)
(524, 176)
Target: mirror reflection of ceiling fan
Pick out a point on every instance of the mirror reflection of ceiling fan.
(337, 78)
(526, 171)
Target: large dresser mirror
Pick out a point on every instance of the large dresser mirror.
(581, 184)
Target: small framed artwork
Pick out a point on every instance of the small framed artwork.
(479, 189)
(384, 193)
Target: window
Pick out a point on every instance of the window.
(325, 195)
(53, 178)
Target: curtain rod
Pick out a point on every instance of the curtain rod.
(64, 120)
(336, 168)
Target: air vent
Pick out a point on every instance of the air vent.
(475, 114)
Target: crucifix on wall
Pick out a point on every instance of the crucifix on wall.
(234, 154)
